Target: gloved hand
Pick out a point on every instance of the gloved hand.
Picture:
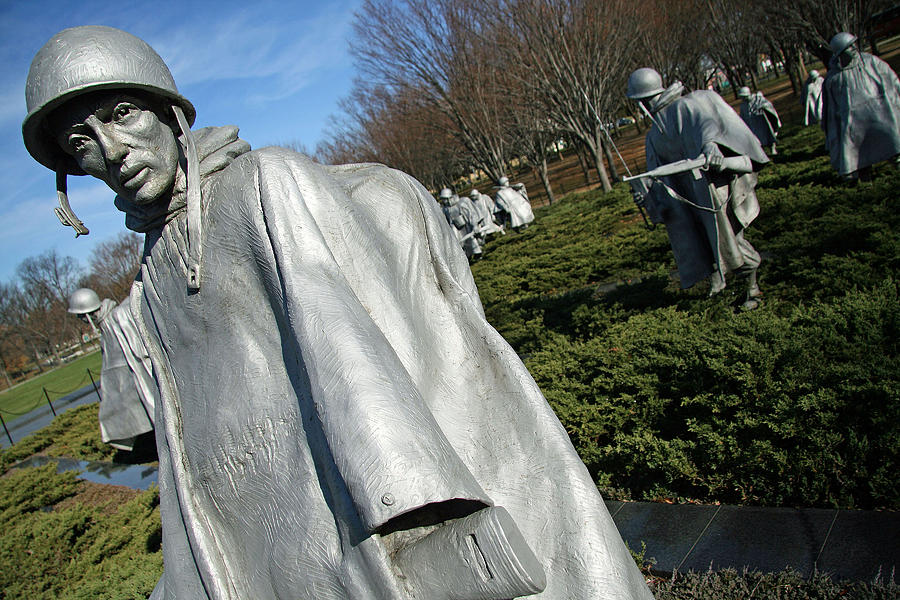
(714, 156)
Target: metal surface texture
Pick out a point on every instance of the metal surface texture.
(812, 98)
(761, 117)
(861, 112)
(841, 41)
(336, 417)
(129, 391)
(83, 301)
(514, 205)
(705, 213)
(85, 59)
(644, 83)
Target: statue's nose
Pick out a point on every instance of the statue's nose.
(113, 150)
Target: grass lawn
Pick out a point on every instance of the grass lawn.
(26, 396)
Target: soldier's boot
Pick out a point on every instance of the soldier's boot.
(482, 556)
(716, 283)
(751, 301)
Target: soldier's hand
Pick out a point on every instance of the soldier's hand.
(714, 156)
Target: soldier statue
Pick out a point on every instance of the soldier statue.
(760, 116)
(707, 159)
(861, 114)
(336, 420)
(126, 375)
(463, 218)
(484, 204)
(812, 98)
(513, 205)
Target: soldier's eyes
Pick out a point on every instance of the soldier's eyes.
(122, 112)
(78, 143)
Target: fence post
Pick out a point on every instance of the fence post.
(47, 396)
(99, 397)
(6, 430)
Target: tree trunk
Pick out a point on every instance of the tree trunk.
(613, 171)
(579, 151)
(597, 155)
(545, 180)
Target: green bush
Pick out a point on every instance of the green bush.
(729, 584)
(76, 552)
(668, 393)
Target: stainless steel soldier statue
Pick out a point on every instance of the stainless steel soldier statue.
(484, 204)
(812, 98)
(463, 218)
(707, 205)
(336, 418)
(514, 205)
(129, 392)
(760, 116)
(861, 115)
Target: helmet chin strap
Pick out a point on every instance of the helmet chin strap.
(194, 224)
(653, 120)
(64, 211)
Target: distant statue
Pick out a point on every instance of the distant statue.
(760, 116)
(126, 375)
(812, 98)
(484, 204)
(514, 207)
(463, 217)
(703, 191)
(337, 420)
(861, 114)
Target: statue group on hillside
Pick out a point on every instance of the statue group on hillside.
(474, 219)
(315, 439)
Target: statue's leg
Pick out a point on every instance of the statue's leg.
(749, 270)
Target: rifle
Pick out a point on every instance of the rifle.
(640, 185)
(738, 164)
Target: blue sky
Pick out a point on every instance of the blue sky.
(275, 69)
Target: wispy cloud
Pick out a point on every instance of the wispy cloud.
(246, 45)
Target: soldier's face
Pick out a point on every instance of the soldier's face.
(119, 140)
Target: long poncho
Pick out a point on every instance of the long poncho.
(761, 117)
(514, 204)
(129, 392)
(334, 371)
(702, 240)
(861, 114)
(812, 99)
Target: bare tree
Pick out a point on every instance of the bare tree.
(574, 54)
(437, 48)
(816, 21)
(114, 264)
(675, 41)
(40, 309)
(399, 130)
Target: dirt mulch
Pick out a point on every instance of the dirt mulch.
(108, 498)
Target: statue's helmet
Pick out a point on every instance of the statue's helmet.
(85, 59)
(841, 42)
(83, 301)
(446, 194)
(743, 92)
(644, 83)
(474, 193)
(813, 73)
(504, 181)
